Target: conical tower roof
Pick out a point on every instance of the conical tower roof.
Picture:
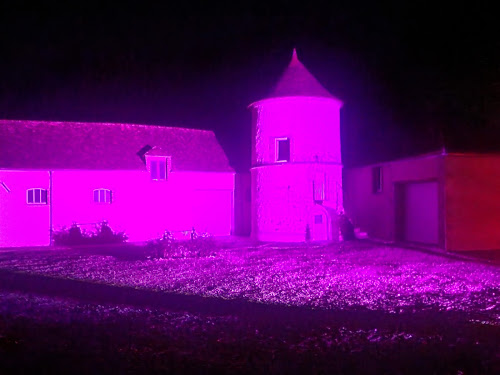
(297, 81)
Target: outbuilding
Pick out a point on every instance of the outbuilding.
(445, 200)
(141, 179)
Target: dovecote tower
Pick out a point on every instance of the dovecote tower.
(296, 171)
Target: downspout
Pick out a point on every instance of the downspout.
(50, 210)
(443, 182)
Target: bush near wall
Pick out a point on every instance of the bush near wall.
(75, 236)
(167, 247)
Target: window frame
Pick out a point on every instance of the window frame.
(43, 193)
(108, 196)
(277, 149)
(377, 180)
(319, 191)
(159, 174)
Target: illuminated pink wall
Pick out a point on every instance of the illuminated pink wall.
(282, 192)
(141, 207)
(144, 208)
(22, 224)
(242, 204)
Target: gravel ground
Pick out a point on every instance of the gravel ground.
(268, 309)
(333, 277)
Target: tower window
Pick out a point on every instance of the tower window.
(282, 149)
(377, 179)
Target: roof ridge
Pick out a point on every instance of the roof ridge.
(55, 145)
(106, 124)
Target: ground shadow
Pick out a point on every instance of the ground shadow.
(276, 316)
(97, 347)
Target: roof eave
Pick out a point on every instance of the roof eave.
(338, 102)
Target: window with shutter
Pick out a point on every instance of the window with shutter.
(158, 168)
(36, 196)
(102, 196)
(377, 179)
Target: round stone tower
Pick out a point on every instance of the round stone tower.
(296, 172)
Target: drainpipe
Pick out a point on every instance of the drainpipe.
(50, 209)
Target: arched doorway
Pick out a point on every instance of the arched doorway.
(320, 224)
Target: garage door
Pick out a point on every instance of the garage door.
(421, 213)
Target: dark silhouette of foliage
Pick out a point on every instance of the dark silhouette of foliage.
(74, 236)
(346, 228)
(168, 247)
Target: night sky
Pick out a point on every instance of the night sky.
(412, 76)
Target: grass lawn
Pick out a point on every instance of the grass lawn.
(353, 308)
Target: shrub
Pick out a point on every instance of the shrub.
(105, 235)
(70, 237)
(74, 236)
(204, 245)
(160, 247)
(308, 232)
(167, 247)
(346, 228)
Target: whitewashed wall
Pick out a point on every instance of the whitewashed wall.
(140, 207)
(23, 224)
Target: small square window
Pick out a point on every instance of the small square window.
(377, 179)
(282, 149)
(319, 183)
(318, 219)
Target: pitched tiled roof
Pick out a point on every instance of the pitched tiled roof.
(297, 81)
(77, 145)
